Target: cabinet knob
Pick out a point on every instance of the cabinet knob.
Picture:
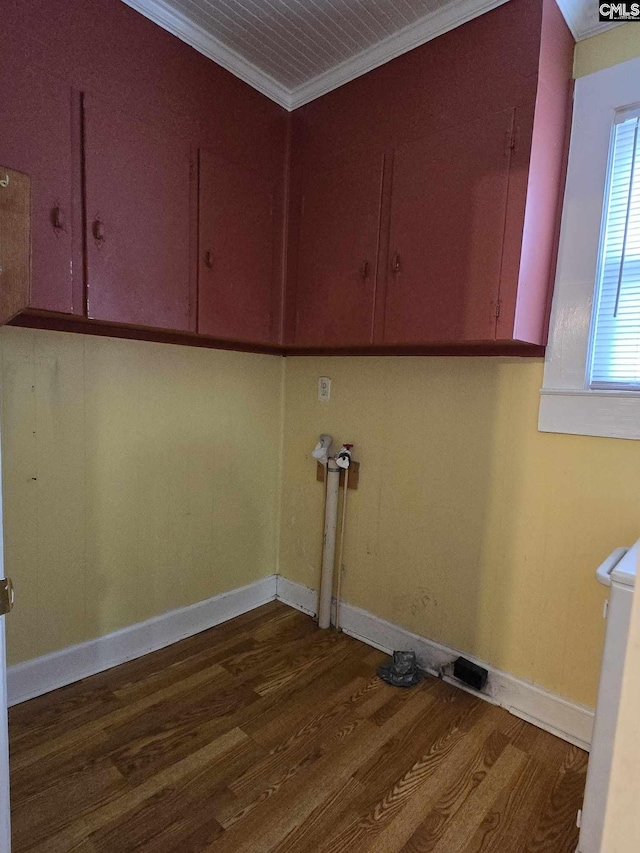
(98, 230)
(57, 218)
(208, 260)
(364, 270)
(395, 263)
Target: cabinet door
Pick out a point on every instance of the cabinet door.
(236, 258)
(15, 248)
(447, 227)
(337, 254)
(138, 221)
(36, 139)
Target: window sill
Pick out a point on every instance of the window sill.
(610, 414)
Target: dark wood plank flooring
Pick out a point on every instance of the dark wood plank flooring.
(266, 734)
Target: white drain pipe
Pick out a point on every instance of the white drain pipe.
(343, 460)
(329, 546)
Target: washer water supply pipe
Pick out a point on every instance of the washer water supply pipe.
(329, 544)
(343, 460)
(333, 465)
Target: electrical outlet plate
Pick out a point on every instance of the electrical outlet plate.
(324, 389)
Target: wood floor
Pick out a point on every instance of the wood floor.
(266, 734)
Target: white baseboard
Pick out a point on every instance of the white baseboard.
(548, 711)
(38, 676)
(533, 703)
(296, 595)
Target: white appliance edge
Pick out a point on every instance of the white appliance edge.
(618, 572)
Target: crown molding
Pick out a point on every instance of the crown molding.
(161, 13)
(573, 15)
(581, 24)
(424, 30)
(588, 30)
(427, 28)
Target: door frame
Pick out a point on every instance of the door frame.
(5, 812)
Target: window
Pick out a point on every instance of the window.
(592, 363)
(615, 338)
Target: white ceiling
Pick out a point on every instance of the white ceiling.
(296, 50)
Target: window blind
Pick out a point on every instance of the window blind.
(615, 341)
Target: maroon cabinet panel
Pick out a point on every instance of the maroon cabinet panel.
(139, 220)
(235, 251)
(338, 254)
(36, 139)
(447, 227)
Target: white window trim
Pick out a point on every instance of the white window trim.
(567, 405)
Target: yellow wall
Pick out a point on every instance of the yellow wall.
(138, 477)
(607, 49)
(142, 477)
(469, 527)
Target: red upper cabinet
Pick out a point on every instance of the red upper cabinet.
(448, 212)
(533, 219)
(422, 197)
(36, 139)
(105, 112)
(472, 129)
(236, 259)
(536, 185)
(338, 253)
(138, 209)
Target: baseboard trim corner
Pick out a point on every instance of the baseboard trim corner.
(559, 716)
(297, 595)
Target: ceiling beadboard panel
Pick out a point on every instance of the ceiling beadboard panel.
(296, 50)
(294, 41)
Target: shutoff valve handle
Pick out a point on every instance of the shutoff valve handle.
(343, 459)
